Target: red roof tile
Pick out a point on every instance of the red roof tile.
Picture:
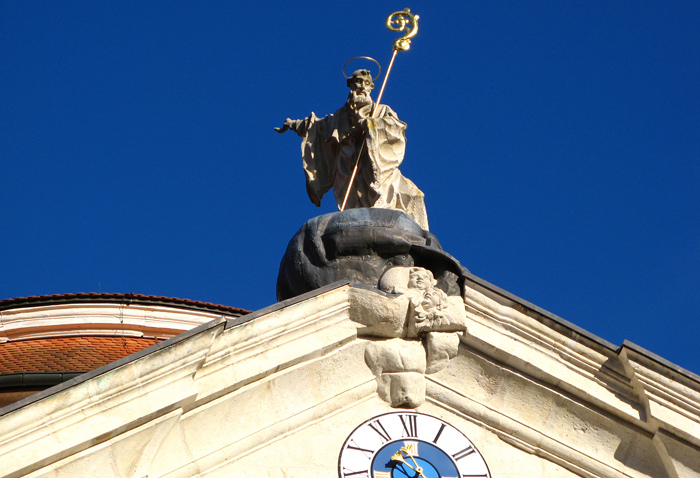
(67, 354)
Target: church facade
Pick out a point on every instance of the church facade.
(319, 386)
(383, 357)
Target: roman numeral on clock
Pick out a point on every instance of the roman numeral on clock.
(468, 476)
(381, 474)
(464, 453)
(362, 473)
(410, 425)
(412, 447)
(442, 427)
(355, 446)
(381, 431)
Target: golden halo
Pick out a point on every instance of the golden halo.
(363, 58)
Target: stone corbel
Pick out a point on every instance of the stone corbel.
(416, 327)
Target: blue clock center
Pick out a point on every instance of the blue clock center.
(413, 459)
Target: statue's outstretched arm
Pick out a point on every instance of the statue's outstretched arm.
(295, 125)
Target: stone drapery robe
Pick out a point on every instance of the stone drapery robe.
(329, 152)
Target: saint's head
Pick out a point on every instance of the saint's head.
(361, 80)
(361, 85)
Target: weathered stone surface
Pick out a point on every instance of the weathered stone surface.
(430, 309)
(396, 355)
(276, 395)
(440, 347)
(385, 249)
(360, 245)
(398, 366)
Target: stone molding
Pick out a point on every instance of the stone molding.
(119, 319)
(209, 402)
(620, 381)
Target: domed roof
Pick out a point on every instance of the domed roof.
(46, 340)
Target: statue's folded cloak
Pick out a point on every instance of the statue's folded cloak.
(329, 152)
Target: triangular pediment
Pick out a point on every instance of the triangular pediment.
(278, 392)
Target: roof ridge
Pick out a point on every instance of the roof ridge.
(114, 297)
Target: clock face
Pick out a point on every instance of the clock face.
(409, 445)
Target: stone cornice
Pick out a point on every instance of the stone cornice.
(560, 395)
(97, 318)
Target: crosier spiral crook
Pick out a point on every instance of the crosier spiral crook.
(401, 21)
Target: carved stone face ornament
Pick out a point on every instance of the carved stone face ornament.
(420, 278)
(427, 323)
(429, 314)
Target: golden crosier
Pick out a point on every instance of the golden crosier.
(398, 22)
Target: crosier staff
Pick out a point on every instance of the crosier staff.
(396, 22)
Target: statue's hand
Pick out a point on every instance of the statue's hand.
(288, 123)
(365, 111)
(366, 123)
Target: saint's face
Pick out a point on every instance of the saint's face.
(360, 89)
(361, 83)
(359, 99)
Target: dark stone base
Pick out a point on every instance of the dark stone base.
(359, 245)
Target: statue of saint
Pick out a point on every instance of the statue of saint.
(331, 145)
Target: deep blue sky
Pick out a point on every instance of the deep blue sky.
(557, 143)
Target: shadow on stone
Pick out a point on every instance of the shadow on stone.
(359, 245)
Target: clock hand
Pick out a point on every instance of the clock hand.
(418, 471)
(407, 450)
(398, 456)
